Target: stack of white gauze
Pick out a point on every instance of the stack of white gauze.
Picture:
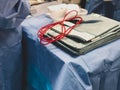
(57, 12)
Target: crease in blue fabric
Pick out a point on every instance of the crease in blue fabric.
(37, 80)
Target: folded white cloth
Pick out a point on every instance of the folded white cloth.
(57, 12)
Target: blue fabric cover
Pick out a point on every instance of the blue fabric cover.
(109, 9)
(52, 68)
(12, 14)
(35, 79)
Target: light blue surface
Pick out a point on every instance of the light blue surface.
(96, 70)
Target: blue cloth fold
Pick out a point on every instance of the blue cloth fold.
(12, 13)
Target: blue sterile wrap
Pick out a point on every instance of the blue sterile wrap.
(35, 79)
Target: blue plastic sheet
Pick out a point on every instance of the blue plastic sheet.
(110, 9)
(12, 13)
(52, 68)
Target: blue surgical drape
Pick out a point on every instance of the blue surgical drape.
(12, 13)
(110, 9)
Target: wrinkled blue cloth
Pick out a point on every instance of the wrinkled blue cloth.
(35, 79)
(52, 68)
(109, 9)
(12, 13)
